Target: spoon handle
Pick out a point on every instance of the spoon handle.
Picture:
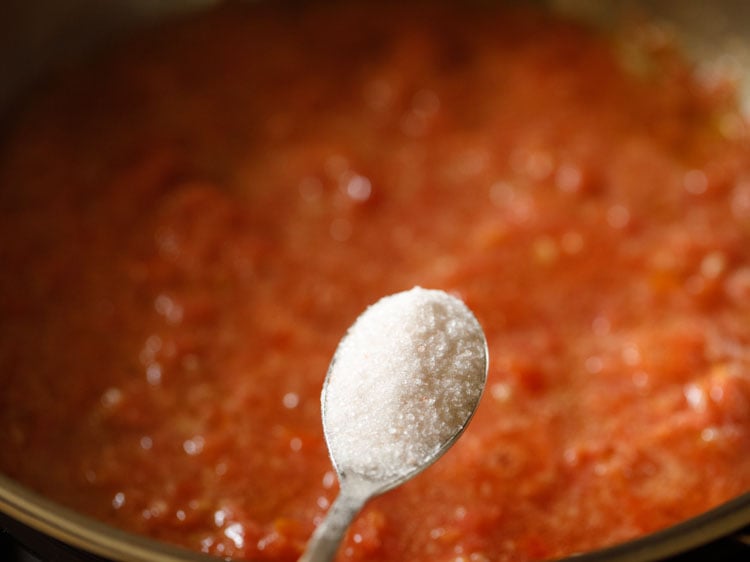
(326, 539)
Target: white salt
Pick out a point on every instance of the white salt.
(404, 380)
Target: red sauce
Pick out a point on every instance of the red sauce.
(189, 225)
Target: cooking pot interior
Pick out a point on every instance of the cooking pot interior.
(39, 35)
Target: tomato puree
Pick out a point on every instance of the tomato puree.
(189, 224)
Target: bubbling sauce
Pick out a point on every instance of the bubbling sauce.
(189, 224)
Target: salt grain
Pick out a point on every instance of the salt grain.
(404, 380)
